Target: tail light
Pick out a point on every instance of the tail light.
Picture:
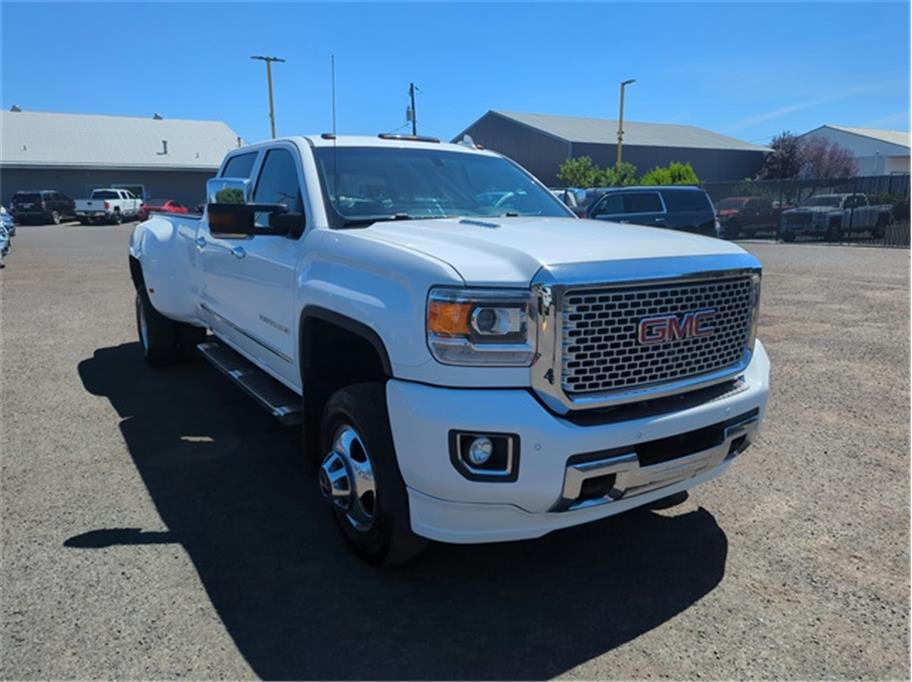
(107, 205)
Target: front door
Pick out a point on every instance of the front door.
(251, 281)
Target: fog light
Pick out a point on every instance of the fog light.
(480, 450)
(485, 456)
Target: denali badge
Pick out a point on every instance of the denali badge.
(664, 328)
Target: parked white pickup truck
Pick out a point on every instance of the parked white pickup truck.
(108, 206)
(835, 215)
(470, 362)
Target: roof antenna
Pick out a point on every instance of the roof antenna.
(332, 67)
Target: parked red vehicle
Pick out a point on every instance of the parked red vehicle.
(748, 216)
(161, 206)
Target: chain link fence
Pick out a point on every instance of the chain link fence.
(872, 210)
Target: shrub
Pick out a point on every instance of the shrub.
(673, 174)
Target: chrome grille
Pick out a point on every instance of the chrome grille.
(601, 352)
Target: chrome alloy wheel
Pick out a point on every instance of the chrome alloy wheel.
(347, 478)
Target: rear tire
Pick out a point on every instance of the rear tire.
(787, 236)
(55, 217)
(157, 334)
(117, 218)
(356, 436)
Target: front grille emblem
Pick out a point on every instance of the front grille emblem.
(665, 328)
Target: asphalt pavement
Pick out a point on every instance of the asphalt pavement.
(156, 523)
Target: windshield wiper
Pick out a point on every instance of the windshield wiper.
(357, 222)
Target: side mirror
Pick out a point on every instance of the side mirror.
(228, 191)
(239, 220)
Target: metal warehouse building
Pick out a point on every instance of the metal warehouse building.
(877, 152)
(541, 142)
(75, 153)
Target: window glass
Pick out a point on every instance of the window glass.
(612, 204)
(642, 202)
(366, 184)
(27, 197)
(686, 200)
(278, 184)
(105, 194)
(239, 166)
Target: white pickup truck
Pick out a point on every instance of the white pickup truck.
(470, 361)
(108, 206)
(834, 216)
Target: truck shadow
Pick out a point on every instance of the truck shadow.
(226, 482)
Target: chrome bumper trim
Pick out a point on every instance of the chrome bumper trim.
(633, 479)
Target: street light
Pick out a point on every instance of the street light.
(269, 61)
(621, 120)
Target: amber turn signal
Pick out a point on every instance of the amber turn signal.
(446, 318)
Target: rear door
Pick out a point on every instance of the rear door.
(690, 210)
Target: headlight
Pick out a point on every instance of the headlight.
(480, 326)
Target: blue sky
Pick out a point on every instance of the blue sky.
(747, 70)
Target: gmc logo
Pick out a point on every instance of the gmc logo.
(663, 328)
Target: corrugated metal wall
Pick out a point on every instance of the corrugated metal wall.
(542, 154)
(187, 187)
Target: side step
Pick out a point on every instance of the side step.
(283, 403)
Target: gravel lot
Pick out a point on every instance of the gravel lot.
(155, 523)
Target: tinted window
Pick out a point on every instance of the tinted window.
(239, 166)
(278, 184)
(612, 204)
(26, 197)
(732, 203)
(686, 200)
(105, 194)
(642, 202)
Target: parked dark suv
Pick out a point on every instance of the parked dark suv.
(44, 206)
(675, 207)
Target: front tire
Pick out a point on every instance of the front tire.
(360, 477)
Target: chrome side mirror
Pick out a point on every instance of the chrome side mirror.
(228, 191)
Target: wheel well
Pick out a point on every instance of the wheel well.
(337, 351)
(136, 273)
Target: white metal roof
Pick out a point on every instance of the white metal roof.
(604, 131)
(896, 137)
(31, 138)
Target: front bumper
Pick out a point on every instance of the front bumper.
(446, 506)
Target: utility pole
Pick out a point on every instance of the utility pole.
(269, 61)
(414, 117)
(621, 121)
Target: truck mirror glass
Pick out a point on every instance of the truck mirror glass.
(228, 191)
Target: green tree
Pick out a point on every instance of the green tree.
(620, 176)
(673, 174)
(579, 172)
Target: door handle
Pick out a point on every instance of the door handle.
(201, 242)
(238, 252)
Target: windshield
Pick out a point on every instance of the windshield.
(727, 204)
(366, 184)
(823, 201)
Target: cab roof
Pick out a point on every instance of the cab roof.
(402, 142)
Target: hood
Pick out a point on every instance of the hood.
(511, 250)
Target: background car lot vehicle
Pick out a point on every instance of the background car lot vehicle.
(42, 206)
(470, 362)
(580, 200)
(160, 206)
(109, 206)
(683, 208)
(748, 216)
(835, 215)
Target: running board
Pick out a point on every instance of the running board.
(283, 403)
